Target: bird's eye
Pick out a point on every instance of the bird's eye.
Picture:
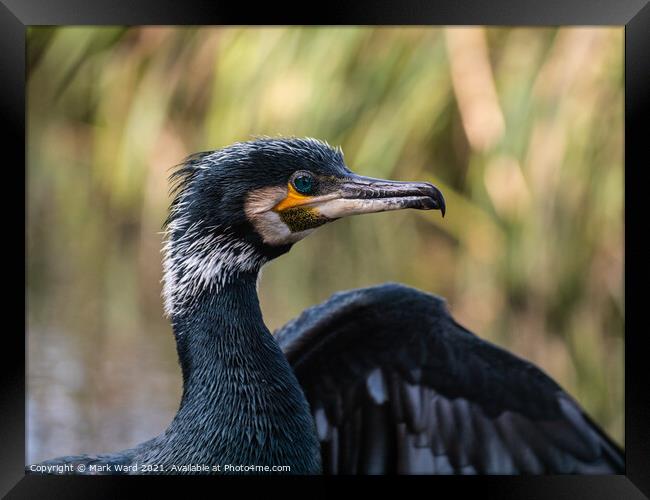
(304, 183)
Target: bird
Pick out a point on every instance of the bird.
(377, 380)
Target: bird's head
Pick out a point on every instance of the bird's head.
(238, 207)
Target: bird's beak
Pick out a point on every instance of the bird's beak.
(356, 195)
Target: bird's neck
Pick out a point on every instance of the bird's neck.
(218, 333)
(241, 399)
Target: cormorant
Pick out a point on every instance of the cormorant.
(375, 380)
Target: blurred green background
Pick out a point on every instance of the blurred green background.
(521, 128)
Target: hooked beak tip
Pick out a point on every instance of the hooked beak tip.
(438, 198)
(441, 203)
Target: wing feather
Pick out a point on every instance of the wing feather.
(397, 386)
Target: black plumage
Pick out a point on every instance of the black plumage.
(377, 380)
(397, 386)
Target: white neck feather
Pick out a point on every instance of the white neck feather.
(193, 264)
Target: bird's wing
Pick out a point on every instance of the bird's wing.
(395, 385)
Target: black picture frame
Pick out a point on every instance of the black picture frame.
(17, 15)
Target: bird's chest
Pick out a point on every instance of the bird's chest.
(253, 423)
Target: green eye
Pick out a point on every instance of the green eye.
(304, 183)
